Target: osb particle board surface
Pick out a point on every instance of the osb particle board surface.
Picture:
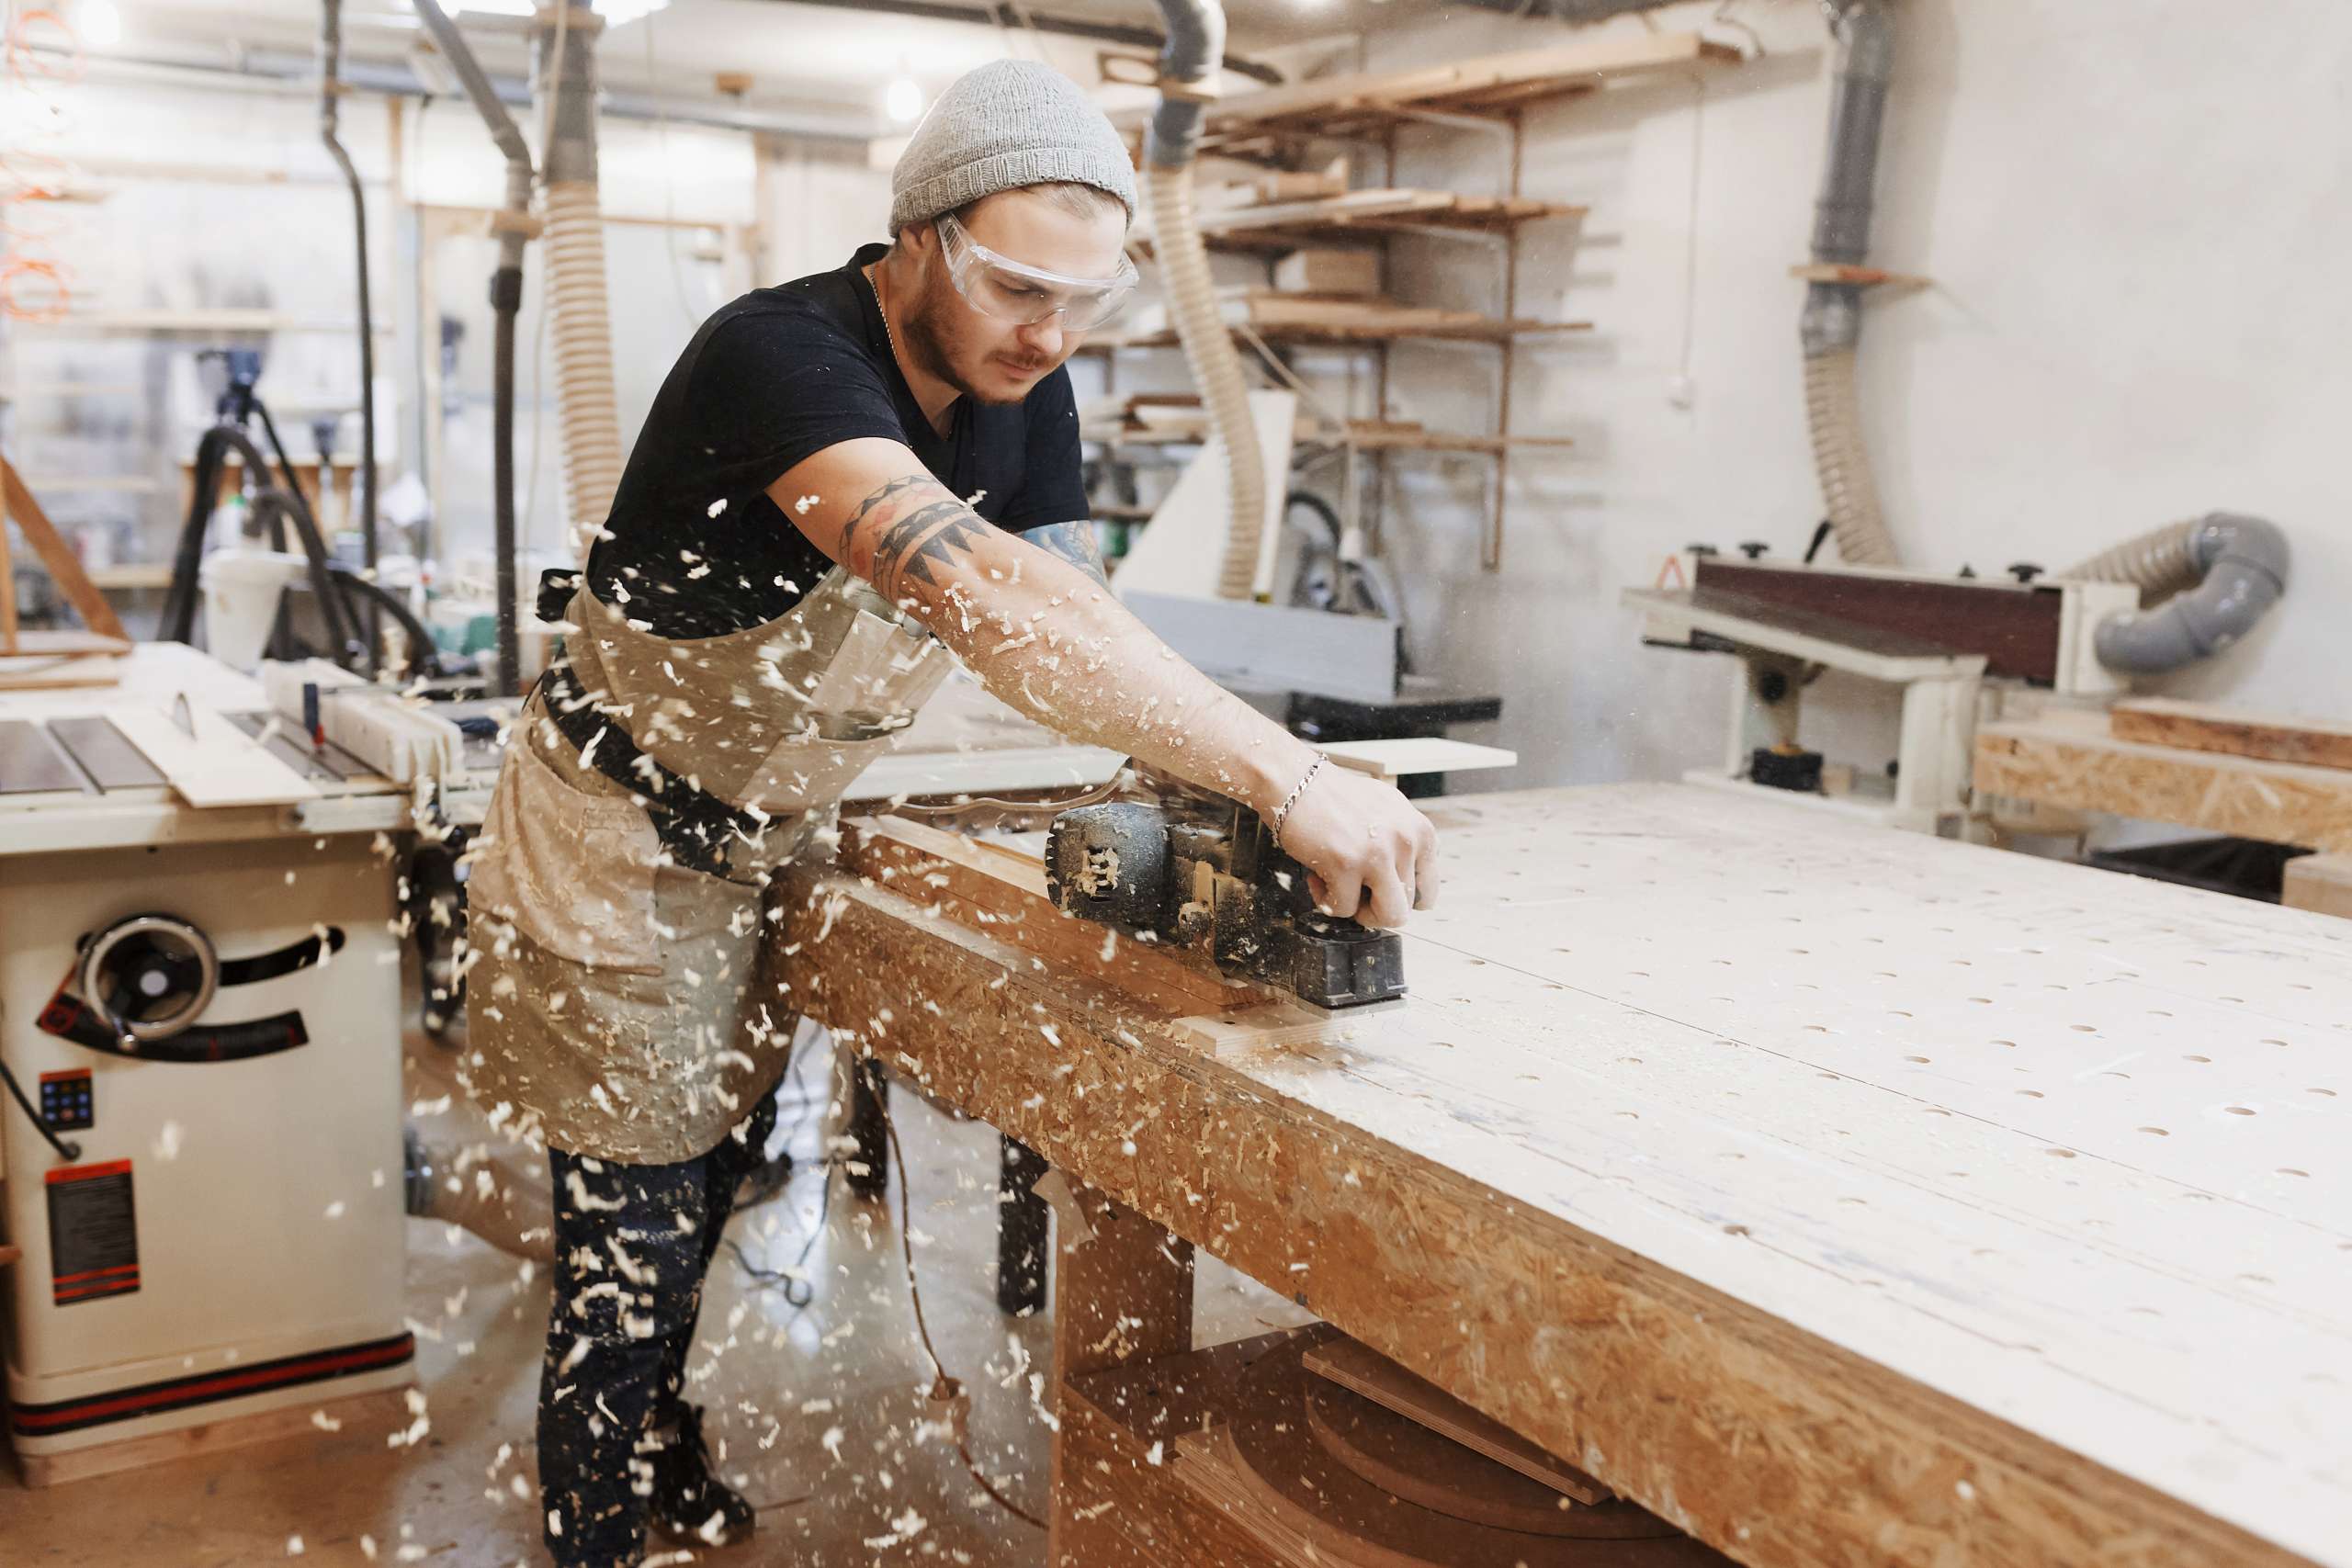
(2073, 1148)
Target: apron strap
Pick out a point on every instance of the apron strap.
(694, 826)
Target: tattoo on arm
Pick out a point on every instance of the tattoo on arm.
(1073, 541)
(914, 526)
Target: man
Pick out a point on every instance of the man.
(844, 479)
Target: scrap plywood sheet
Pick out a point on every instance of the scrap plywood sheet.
(1847, 1196)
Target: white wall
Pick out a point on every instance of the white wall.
(2137, 225)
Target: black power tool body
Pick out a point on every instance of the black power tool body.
(1207, 875)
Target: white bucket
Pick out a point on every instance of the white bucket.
(240, 593)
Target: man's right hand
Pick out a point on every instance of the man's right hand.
(1372, 855)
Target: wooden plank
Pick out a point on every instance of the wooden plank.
(2209, 727)
(1482, 81)
(387, 1409)
(1703, 1157)
(2319, 883)
(219, 765)
(1365, 1370)
(55, 671)
(65, 568)
(2070, 758)
(1417, 754)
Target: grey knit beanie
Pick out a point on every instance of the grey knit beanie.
(1009, 124)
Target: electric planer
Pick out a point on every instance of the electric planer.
(1205, 875)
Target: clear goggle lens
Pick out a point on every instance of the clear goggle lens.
(1011, 291)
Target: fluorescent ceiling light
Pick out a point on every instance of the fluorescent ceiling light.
(98, 22)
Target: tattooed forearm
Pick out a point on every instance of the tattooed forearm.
(910, 531)
(1073, 541)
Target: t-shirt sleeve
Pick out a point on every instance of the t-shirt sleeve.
(773, 388)
(1053, 490)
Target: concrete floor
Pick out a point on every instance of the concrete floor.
(816, 1408)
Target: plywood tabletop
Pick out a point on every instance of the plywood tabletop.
(2071, 1147)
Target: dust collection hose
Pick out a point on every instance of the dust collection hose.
(507, 302)
(586, 408)
(1833, 311)
(330, 90)
(1188, 68)
(2213, 578)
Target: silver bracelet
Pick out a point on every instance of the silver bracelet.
(1281, 812)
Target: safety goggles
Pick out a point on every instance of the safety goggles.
(1013, 292)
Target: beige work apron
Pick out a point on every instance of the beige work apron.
(614, 1003)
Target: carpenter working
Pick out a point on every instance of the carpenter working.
(845, 482)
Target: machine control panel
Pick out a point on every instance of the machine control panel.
(67, 1102)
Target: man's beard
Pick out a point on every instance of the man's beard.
(929, 340)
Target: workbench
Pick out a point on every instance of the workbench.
(1842, 1195)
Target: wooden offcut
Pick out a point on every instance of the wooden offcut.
(2319, 883)
(2070, 758)
(1367, 1372)
(73, 585)
(1327, 272)
(2209, 727)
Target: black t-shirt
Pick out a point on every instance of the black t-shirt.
(773, 378)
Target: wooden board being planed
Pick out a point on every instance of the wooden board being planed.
(1847, 1197)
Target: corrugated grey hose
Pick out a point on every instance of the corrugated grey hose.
(2213, 577)
(1833, 311)
(1195, 43)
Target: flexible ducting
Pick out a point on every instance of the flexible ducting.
(330, 94)
(507, 302)
(2212, 578)
(579, 307)
(1187, 71)
(1832, 323)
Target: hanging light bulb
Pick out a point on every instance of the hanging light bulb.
(98, 22)
(902, 100)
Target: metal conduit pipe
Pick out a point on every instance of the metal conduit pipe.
(330, 90)
(2213, 576)
(587, 411)
(506, 302)
(1187, 78)
(1832, 323)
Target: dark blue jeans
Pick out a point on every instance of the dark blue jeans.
(632, 1243)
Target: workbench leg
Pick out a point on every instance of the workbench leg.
(1022, 1233)
(1123, 1291)
(868, 1084)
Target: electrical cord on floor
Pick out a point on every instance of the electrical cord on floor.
(943, 1387)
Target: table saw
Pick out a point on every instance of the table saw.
(202, 1006)
(1843, 1196)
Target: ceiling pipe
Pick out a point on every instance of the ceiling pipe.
(515, 227)
(1009, 17)
(298, 74)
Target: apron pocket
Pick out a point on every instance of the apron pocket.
(571, 871)
(809, 771)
